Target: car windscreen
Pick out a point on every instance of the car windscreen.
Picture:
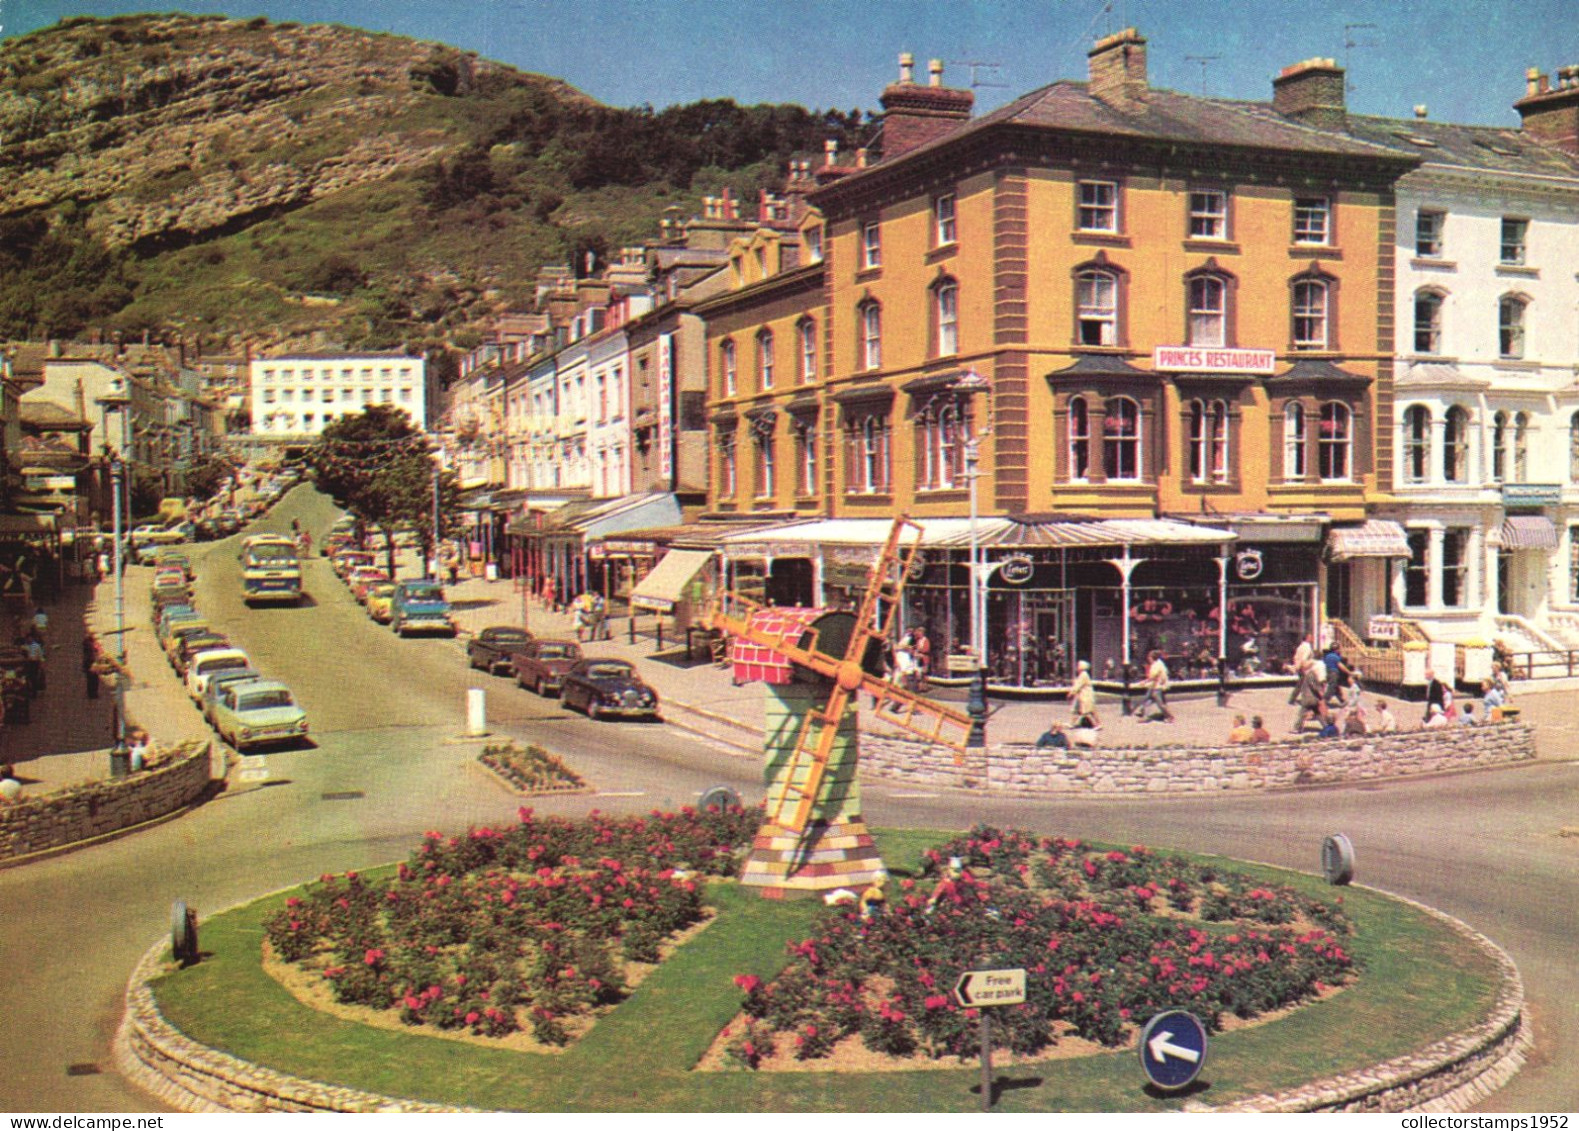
(556, 652)
(263, 700)
(433, 594)
(223, 663)
(271, 553)
(610, 671)
(509, 636)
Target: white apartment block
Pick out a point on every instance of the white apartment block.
(296, 396)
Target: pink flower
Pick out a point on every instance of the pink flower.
(373, 956)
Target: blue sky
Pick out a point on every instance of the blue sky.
(1464, 60)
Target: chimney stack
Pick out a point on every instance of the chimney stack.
(1312, 92)
(1118, 68)
(1550, 111)
(1420, 112)
(914, 115)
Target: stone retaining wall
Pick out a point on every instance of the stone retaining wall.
(1119, 770)
(96, 809)
(1448, 1075)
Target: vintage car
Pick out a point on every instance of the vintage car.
(347, 560)
(363, 578)
(205, 664)
(419, 606)
(157, 534)
(195, 645)
(542, 664)
(493, 649)
(217, 682)
(378, 601)
(606, 688)
(257, 712)
(168, 559)
(175, 630)
(167, 613)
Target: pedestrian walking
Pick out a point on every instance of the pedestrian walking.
(1083, 697)
(1157, 683)
(1311, 694)
(34, 649)
(90, 664)
(1302, 658)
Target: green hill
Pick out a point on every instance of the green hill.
(225, 179)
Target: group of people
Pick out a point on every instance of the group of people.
(1322, 685)
(591, 613)
(911, 660)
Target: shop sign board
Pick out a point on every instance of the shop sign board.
(1248, 564)
(1195, 359)
(1382, 628)
(665, 408)
(1016, 570)
(1531, 494)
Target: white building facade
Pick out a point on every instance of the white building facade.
(297, 395)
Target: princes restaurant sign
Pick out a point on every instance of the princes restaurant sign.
(1197, 359)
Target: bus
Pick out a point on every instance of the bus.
(270, 569)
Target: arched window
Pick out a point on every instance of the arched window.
(1455, 446)
(866, 452)
(1096, 300)
(1080, 440)
(806, 336)
(1428, 322)
(1417, 444)
(728, 469)
(727, 367)
(806, 455)
(1499, 447)
(1208, 298)
(765, 359)
(1294, 438)
(1310, 314)
(1334, 455)
(1521, 448)
(940, 446)
(766, 441)
(1121, 451)
(871, 322)
(1510, 327)
(945, 315)
(1209, 441)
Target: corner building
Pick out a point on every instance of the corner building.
(1164, 324)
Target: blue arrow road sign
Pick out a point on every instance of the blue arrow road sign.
(1173, 1049)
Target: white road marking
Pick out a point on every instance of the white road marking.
(618, 793)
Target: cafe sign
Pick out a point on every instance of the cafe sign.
(1016, 570)
(1197, 359)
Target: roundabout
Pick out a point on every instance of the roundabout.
(1419, 1011)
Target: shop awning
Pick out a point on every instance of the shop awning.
(664, 587)
(1374, 538)
(795, 539)
(1528, 532)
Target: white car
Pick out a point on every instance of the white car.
(205, 664)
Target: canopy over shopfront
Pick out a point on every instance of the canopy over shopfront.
(564, 536)
(1529, 532)
(664, 588)
(1374, 538)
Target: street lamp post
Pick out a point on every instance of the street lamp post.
(116, 399)
(976, 705)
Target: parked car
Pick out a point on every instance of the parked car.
(258, 712)
(157, 534)
(205, 664)
(419, 606)
(542, 664)
(378, 601)
(493, 649)
(363, 578)
(194, 645)
(604, 688)
(175, 630)
(167, 614)
(166, 558)
(347, 560)
(216, 682)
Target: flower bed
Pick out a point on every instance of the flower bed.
(530, 770)
(499, 930)
(1107, 939)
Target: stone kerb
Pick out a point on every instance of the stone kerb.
(1447, 1076)
(95, 809)
(1150, 770)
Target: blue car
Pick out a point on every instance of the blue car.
(420, 606)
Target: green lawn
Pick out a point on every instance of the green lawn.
(1420, 982)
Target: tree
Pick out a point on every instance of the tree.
(380, 468)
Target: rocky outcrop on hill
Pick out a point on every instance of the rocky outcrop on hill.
(175, 128)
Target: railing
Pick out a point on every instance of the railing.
(1545, 664)
(1372, 664)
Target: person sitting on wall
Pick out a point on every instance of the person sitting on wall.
(1467, 715)
(1384, 723)
(1354, 722)
(1053, 738)
(139, 748)
(1258, 731)
(1241, 732)
(1435, 718)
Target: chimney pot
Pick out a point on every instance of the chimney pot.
(1312, 92)
(830, 151)
(935, 72)
(1117, 67)
(1532, 81)
(1420, 111)
(907, 67)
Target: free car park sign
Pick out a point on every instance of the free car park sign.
(979, 988)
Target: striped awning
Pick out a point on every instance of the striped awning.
(664, 587)
(1528, 532)
(1374, 538)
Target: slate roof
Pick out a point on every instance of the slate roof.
(1484, 149)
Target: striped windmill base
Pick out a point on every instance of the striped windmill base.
(784, 863)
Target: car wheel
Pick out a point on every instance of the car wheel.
(538, 686)
(594, 712)
(471, 660)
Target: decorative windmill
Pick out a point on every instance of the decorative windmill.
(815, 664)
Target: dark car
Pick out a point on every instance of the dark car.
(191, 645)
(542, 664)
(493, 649)
(604, 688)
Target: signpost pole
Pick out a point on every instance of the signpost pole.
(986, 1059)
